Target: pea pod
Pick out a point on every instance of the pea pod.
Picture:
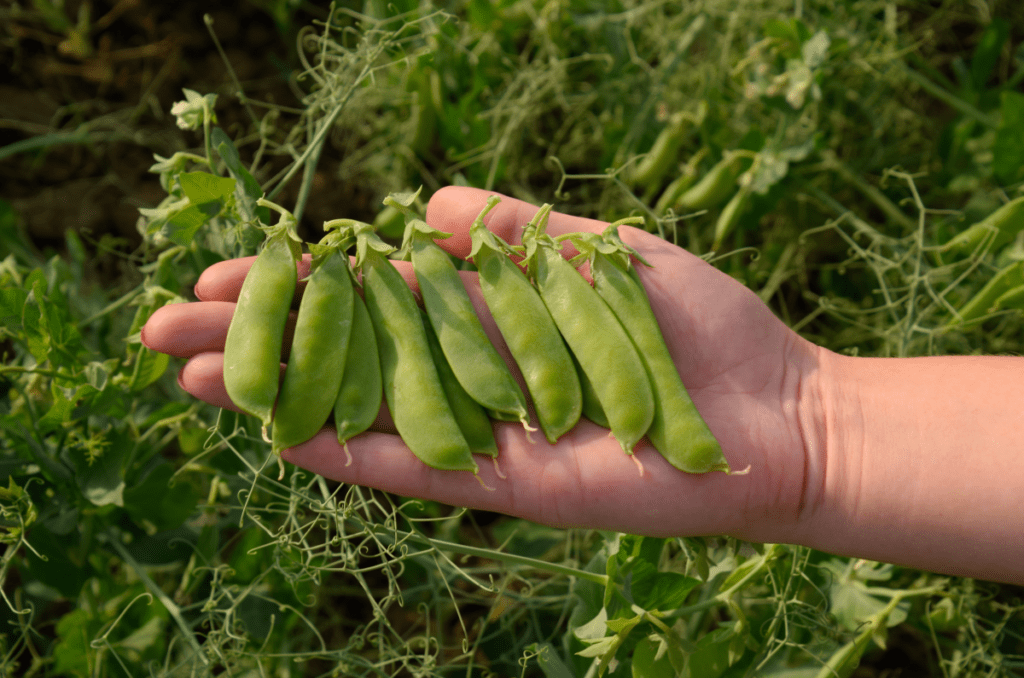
(470, 354)
(361, 391)
(650, 170)
(472, 419)
(1002, 226)
(981, 303)
(1012, 298)
(592, 409)
(674, 191)
(252, 349)
(528, 329)
(677, 431)
(730, 215)
(412, 387)
(712, 190)
(594, 334)
(319, 348)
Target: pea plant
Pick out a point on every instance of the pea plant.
(149, 534)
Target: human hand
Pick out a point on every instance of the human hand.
(753, 380)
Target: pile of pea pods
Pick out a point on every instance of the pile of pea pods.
(583, 350)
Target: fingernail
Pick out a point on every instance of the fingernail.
(142, 337)
(181, 374)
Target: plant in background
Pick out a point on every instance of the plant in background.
(143, 533)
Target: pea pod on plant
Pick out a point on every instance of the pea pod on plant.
(470, 354)
(730, 215)
(982, 303)
(594, 335)
(653, 166)
(677, 431)
(1012, 298)
(714, 187)
(252, 349)
(412, 387)
(319, 349)
(528, 329)
(1002, 226)
(675, 190)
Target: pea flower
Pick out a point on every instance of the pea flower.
(191, 112)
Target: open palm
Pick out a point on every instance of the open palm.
(752, 379)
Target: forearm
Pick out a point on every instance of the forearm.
(921, 464)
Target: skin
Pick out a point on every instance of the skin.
(912, 461)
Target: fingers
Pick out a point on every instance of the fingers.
(186, 330)
(203, 378)
(584, 480)
(451, 209)
(223, 281)
(454, 208)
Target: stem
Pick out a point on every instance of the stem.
(4, 369)
(169, 605)
(954, 101)
(114, 305)
(554, 568)
(869, 191)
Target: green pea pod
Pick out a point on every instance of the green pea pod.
(846, 659)
(252, 349)
(472, 419)
(677, 431)
(361, 391)
(594, 334)
(472, 357)
(319, 348)
(712, 190)
(528, 329)
(418, 403)
(674, 191)
(592, 409)
(981, 303)
(1002, 226)
(650, 170)
(1012, 298)
(730, 216)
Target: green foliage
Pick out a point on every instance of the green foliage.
(147, 534)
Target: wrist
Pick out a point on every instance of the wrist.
(918, 454)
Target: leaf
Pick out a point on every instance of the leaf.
(182, 227)
(151, 366)
(711, 658)
(646, 661)
(102, 482)
(986, 54)
(55, 568)
(203, 187)
(247, 189)
(155, 499)
(71, 652)
(165, 547)
(654, 590)
(595, 629)
(143, 638)
(1008, 153)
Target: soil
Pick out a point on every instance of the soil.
(103, 95)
